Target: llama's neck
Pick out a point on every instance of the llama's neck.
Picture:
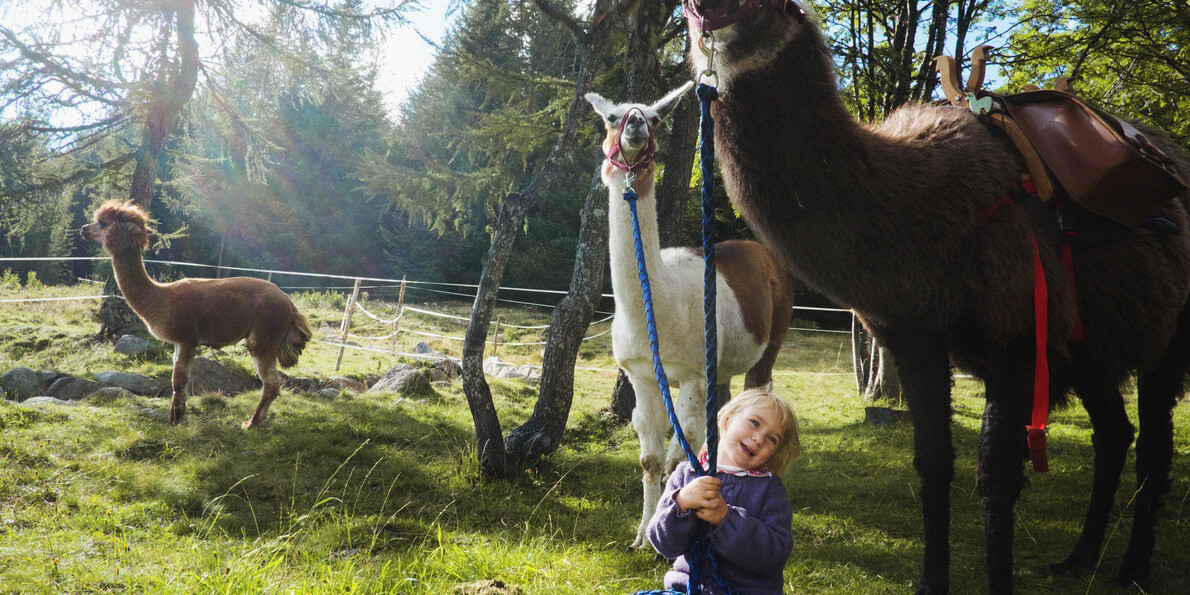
(621, 243)
(841, 203)
(790, 119)
(140, 291)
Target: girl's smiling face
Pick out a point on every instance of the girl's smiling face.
(748, 438)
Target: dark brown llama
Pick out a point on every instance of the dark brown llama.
(884, 221)
(193, 312)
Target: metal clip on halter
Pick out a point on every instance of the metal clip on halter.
(710, 54)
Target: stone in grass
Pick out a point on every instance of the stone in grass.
(21, 383)
(131, 345)
(69, 388)
(209, 376)
(883, 416)
(345, 383)
(141, 385)
(406, 381)
(35, 401)
(109, 394)
(489, 587)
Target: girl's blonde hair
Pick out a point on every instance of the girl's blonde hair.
(790, 445)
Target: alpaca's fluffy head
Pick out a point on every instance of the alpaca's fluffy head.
(119, 226)
(633, 123)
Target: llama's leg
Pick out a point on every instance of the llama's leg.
(1158, 392)
(1112, 434)
(723, 392)
(1002, 448)
(270, 379)
(925, 379)
(183, 357)
(690, 407)
(651, 425)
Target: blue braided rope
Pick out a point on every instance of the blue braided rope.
(701, 544)
(706, 151)
(651, 324)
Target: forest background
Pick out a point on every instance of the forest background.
(256, 134)
(282, 154)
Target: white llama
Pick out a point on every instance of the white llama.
(755, 301)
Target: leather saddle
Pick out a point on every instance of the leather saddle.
(1071, 147)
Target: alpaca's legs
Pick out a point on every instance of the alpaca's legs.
(183, 357)
(1002, 447)
(651, 424)
(1158, 392)
(266, 367)
(690, 407)
(723, 392)
(925, 379)
(1112, 434)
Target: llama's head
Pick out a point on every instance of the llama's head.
(630, 126)
(119, 226)
(747, 34)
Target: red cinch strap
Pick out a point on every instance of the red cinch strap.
(1041, 369)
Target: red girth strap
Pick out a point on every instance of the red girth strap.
(1041, 370)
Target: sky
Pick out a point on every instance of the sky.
(406, 56)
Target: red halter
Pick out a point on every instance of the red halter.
(723, 15)
(644, 157)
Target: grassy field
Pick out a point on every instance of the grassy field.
(378, 494)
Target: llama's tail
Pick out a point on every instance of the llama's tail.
(295, 340)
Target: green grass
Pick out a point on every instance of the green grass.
(377, 494)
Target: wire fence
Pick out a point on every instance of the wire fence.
(387, 329)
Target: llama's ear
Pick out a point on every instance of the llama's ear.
(601, 105)
(666, 104)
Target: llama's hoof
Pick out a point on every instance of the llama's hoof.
(1071, 567)
(1065, 568)
(176, 417)
(248, 425)
(1133, 579)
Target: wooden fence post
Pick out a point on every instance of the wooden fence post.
(400, 312)
(347, 323)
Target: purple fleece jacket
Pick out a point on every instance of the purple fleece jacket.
(751, 545)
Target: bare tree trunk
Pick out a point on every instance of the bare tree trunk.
(488, 435)
(876, 377)
(493, 461)
(542, 432)
(643, 83)
(117, 318)
(623, 399)
(169, 93)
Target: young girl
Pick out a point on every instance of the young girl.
(745, 501)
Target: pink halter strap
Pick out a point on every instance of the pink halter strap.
(722, 16)
(643, 158)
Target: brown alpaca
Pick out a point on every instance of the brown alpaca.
(193, 312)
(884, 221)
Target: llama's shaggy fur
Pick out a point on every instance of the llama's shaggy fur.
(754, 306)
(882, 220)
(193, 312)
